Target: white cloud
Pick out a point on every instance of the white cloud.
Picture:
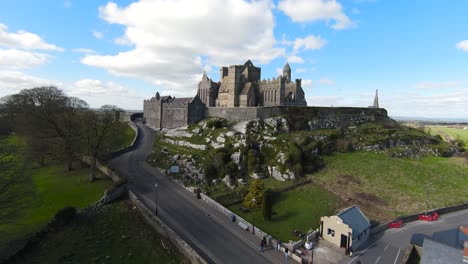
(324, 100)
(309, 42)
(14, 81)
(83, 50)
(463, 45)
(95, 92)
(67, 3)
(18, 59)
(24, 40)
(316, 10)
(295, 59)
(279, 71)
(326, 81)
(98, 34)
(124, 41)
(175, 40)
(437, 85)
(451, 103)
(306, 84)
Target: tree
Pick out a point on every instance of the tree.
(48, 120)
(267, 204)
(98, 128)
(255, 192)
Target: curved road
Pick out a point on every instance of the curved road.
(199, 225)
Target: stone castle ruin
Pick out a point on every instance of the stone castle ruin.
(239, 95)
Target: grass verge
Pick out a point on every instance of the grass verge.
(48, 190)
(297, 209)
(117, 234)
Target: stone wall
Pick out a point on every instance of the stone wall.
(174, 116)
(232, 113)
(152, 113)
(317, 117)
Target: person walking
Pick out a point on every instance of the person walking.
(278, 245)
(265, 244)
(286, 251)
(262, 245)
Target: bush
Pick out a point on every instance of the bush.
(267, 204)
(64, 216)
(255, 192)
(216, 123)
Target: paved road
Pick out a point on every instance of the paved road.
(196, 223)
(389, 247)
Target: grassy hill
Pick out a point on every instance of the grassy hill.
(383, 166)
(397, 186)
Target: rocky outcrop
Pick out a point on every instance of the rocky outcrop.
(185, 144)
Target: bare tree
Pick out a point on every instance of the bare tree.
(99, 128)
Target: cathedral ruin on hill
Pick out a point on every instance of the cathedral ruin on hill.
(240, 88)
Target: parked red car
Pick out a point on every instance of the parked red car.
(395, 224)
(429, 217)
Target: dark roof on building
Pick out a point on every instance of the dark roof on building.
(180, 101)
(418, 239)
(435, 253)
(355, 219)
(452, 237)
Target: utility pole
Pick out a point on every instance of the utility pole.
(253, 216)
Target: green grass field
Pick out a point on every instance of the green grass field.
(297, 209)
(48, 190)
(116, 235)
(457, 132)
(397, 186)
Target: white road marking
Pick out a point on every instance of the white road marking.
(377, 260)
(362, 252)
(397, 256)
(386, 247)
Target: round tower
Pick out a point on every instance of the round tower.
(287, 72)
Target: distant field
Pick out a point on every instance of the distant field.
(297, 209)
(397, 186)
(116, 235)
(455, 132)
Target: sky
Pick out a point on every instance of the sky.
(414, 52)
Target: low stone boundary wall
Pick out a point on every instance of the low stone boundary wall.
(258, 232)
(162, 228)
(414, 217)
(129, 147)
(104, 169)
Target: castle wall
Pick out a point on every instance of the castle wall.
(196, 111)
(316, 117)
(232, 113)
(173, 117)
(152, 113)
(270, 92)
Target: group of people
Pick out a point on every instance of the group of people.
(264, 244)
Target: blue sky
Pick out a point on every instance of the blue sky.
(414, 52)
